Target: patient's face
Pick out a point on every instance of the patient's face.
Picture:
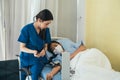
(57, 48)
(53, 45)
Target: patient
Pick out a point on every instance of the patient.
(57, 49)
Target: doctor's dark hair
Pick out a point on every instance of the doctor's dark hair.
(44, 15)
(42, 34)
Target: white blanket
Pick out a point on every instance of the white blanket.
(92, 64)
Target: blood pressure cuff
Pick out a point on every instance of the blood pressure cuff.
(9, 70)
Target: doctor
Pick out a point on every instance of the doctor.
(33, 39)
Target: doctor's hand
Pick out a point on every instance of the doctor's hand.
(49, 76)
(40, 54)
(35, 52)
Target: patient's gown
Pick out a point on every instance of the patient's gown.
(48, 67)
(70, 47)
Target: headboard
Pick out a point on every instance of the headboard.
(57, 38)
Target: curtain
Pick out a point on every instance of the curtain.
(16, 14)
(2, 31)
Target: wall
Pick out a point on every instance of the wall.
(52, 5)
(67, 19)
(103, 28)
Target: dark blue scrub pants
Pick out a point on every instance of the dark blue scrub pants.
(35, 69)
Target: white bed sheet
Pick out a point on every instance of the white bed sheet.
(92, 64)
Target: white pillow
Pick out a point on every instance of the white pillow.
(68, 45)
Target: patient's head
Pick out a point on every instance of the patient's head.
(55, 47)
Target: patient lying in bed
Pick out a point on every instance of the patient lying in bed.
(57, 49)
(92, 62)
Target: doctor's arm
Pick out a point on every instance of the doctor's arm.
(43, 52)
(23, 48)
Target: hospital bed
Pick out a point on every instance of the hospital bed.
(92, 64)
(64, 74)
(69, 47)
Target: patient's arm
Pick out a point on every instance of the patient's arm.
(81, 48)
(54, 71)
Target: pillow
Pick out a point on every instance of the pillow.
(68, 45)
(78, 44)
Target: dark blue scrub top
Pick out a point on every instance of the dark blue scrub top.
(33, 41)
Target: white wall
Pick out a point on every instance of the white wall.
(52, 5)
(67, 19)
